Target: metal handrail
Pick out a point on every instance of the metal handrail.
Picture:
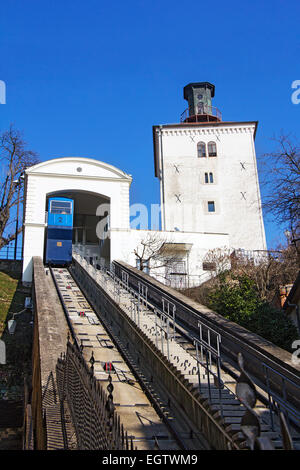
(207, 110)
(275, 398)
(8, 252)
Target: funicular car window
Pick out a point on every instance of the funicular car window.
(60, 207)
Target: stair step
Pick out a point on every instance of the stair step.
(229, 413)
(236, 407)
(215, 401)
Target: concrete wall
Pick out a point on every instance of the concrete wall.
(11, 265)
(49, 342)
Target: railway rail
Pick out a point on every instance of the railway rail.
(139, 406)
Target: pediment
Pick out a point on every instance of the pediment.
(78, 166)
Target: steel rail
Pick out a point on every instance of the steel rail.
(65, 310)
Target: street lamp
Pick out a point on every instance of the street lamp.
(289, 236)
(18, 183)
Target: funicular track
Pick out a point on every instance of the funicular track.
(192, 367)
(136, 402)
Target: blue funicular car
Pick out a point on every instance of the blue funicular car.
(59, 231)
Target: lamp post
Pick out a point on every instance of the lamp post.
(18, 183)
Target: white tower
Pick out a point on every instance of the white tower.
(208, 173)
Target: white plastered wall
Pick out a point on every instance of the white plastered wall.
(235, 189)
(124, 242)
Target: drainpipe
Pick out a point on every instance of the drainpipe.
(162, 179)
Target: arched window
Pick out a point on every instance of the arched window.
(201, 149)
(212, 149)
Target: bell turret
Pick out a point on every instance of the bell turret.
(199, 96)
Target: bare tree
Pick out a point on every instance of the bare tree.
(275, 269)
(282, 181)
(268, 270)
(15, 158)
(217, 260)
(152, 249)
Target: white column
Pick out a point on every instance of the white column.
(84, 240)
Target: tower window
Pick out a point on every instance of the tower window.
(211, 206)
(212, 149)
(209, 177)
(201, 150)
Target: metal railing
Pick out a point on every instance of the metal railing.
(97, 424)
(278, 400)
(9, 252)
(188, 114)
(106, 279)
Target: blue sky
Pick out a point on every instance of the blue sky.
(91, 78)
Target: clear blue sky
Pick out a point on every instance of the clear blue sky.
(90, 78)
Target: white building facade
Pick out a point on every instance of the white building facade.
(209, 189)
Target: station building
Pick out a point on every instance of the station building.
(91, 184)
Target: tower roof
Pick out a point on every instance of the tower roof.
(199, 85)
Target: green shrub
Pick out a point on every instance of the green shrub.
(237, 299)
(273, 325)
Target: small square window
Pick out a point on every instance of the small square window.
(211, 206)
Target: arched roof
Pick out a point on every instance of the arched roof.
(78, 166)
